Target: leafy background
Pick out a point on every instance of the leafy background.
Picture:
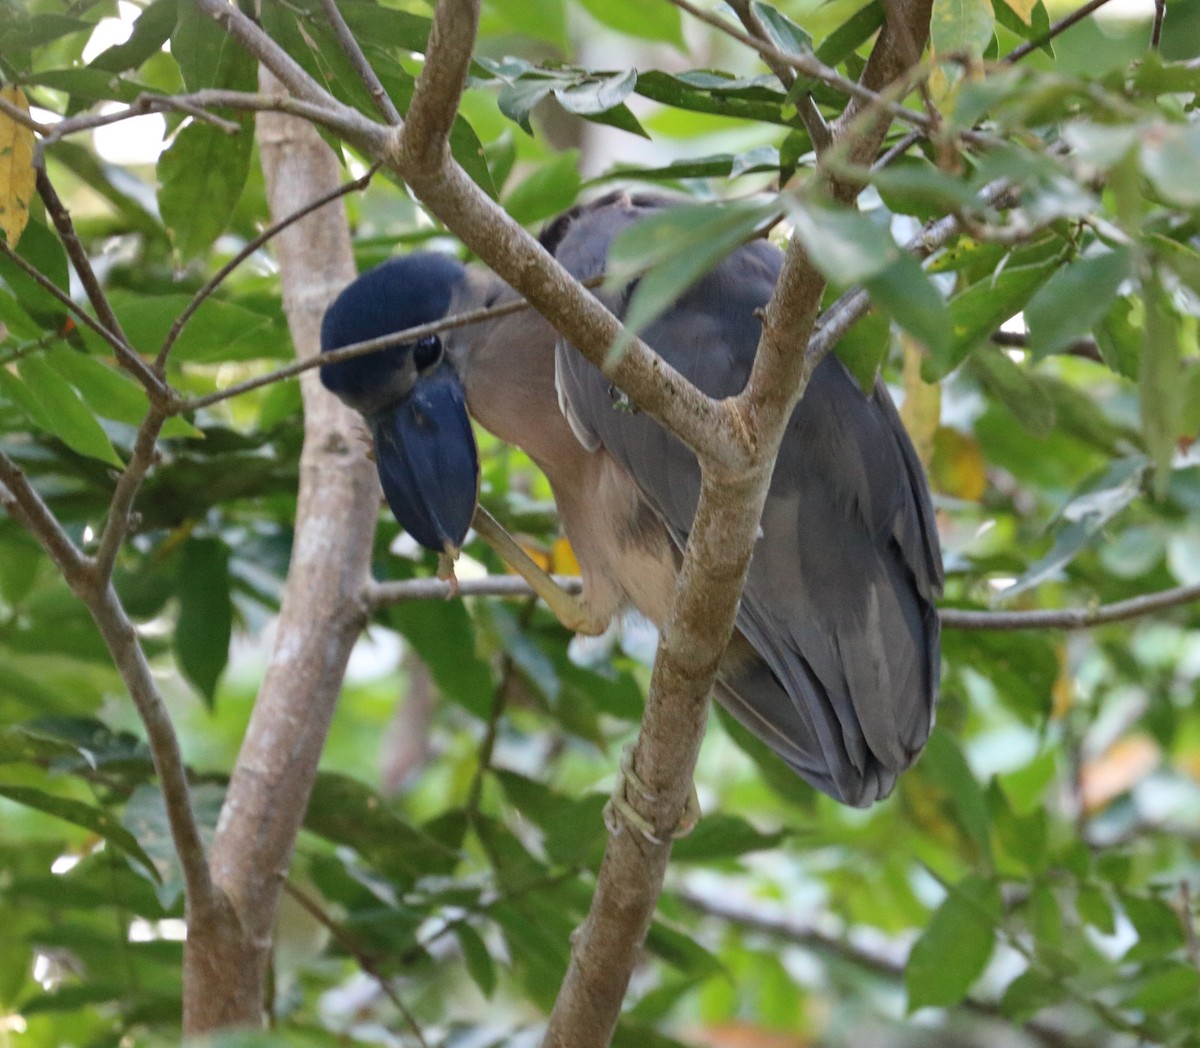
(1034, 878)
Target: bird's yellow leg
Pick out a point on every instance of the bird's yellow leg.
(619, 811)
(570, 610)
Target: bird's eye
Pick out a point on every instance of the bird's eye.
(427, 352)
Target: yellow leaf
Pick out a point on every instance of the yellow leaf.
(17, 177)
(957, 468)
(1024, 8)
(922, 403)
(1116, 771)
(562, 558)
(1062, 694)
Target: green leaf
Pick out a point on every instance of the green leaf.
(979, 310)
(547, 191)
(592, 96)
(145, 816)
(781, 30)
(673, 249)
(945, 766)
(151, 30)
(209, 57)
(480, 965)
(201, 177)
(1159, 391)
(219, 331)
(1029, 993)
(961, 26)
(63, 413)
(864, 348)
(906, 293)
(1094, 907)
(1157, 925)
(1097, 502)
(955, 946)
(1170, 158)
(96, 820)
(444, 636)
(1164, 988)
(205, 623)
(110, 393)
(721, 836)
(1016, 388)
(845, 245)
(635, 18)
(1074, 299)
(347, 812)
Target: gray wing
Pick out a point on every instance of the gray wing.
(838, 602)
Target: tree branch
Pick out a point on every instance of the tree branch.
(1059, 27)
(124, 351)
(123, 645)
(126, 650)
(362, 958)
(23, 503)
(424, 141)
(362, 67)
(381, 595)
(359, 349)
(321, 615)
(879, 961)
(810, 115)
(1070, 618)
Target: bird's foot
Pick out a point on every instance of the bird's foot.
(570, 610)
(445, 568)
(619, 812)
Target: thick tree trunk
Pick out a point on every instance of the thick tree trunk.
(322, 613)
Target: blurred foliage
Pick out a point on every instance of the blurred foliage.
(1034, 879)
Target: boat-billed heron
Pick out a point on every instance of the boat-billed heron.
(835, 659)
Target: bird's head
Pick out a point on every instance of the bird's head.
(410, 394)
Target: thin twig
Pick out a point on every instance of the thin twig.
(252, 246)
(1070, 618)
(810, 116)
(362, 349)
(18, 115)
(22, 502)
(879, 961)
(127, 654)
(123, 645)
(358, 60)
(1061, 26)
(124, 351)
(384, 594)
(1160, 14)
(61, 218)
(116, 526)
(358, 952)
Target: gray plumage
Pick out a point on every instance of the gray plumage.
(840, 673)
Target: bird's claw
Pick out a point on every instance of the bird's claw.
(445, 569)
(618, 812)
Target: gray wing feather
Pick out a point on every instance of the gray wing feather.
(838, 603)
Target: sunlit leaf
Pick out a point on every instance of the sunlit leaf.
(17, 176)
(955, 946)
(97, 820)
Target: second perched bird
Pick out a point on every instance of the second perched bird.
(834, 663)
